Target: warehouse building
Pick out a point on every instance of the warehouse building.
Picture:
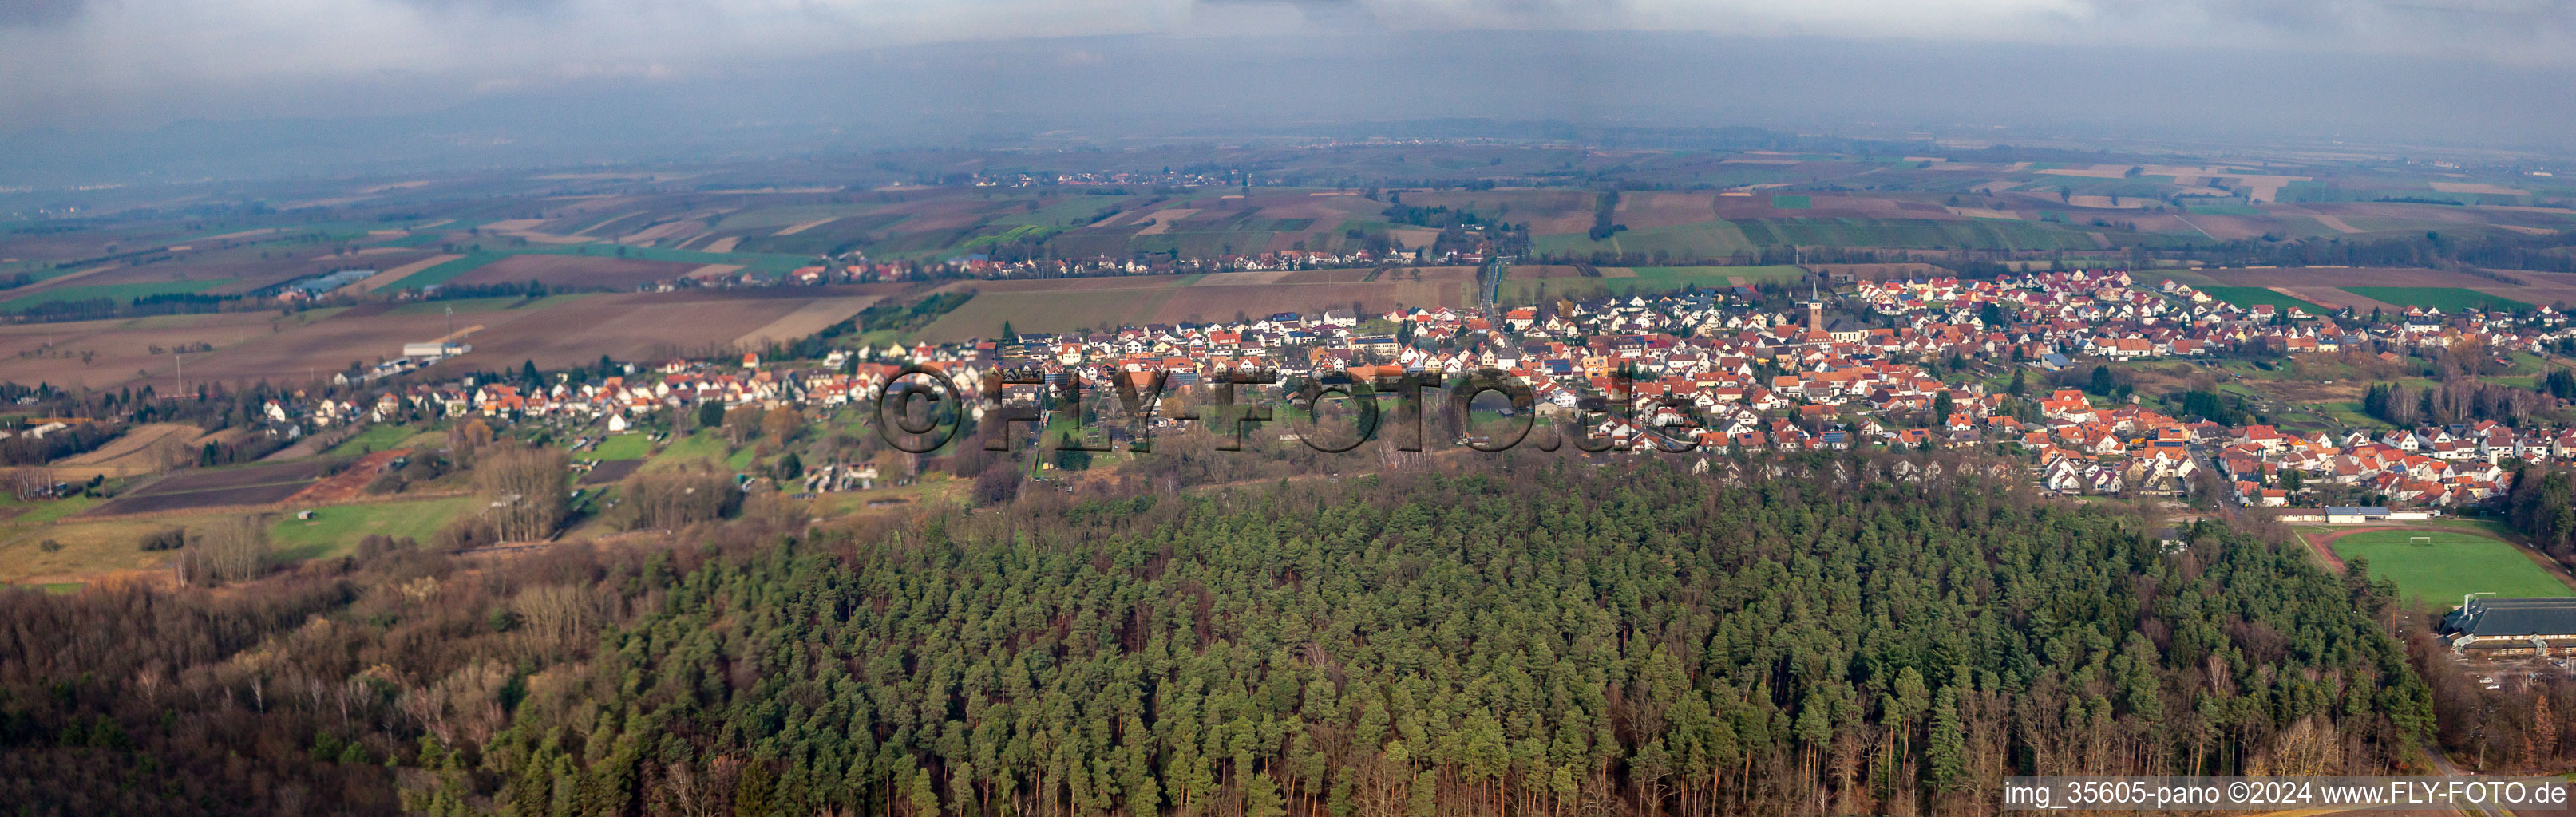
(2511, 627)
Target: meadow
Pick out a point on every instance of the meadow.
(335, 530)
(375, 438)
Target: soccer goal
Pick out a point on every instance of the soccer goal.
(2426, 541)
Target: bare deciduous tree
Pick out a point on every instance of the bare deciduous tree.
(527, 490)
(668, 500)
(228, 550)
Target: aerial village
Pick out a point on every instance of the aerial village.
(1913, 364)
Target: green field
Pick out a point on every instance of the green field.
(336, 529)
(2453, 565)
(442, 273)
(418, 240)
(623, 447)
(1791, 202)
(113, 292)
(375, 438)
(703, 446)
(2220, 207)
(56, 588)
(2249, 296)
(2447, 299)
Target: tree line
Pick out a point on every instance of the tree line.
(1849, 634)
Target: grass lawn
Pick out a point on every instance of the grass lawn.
(336, 529)
(56, 588)
(2455, 564)
(375, 438)
(51, 510)
(2249, 296)
(703, 446)
(2447, 299)
(623, 447)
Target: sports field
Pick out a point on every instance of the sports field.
(2437, 573)
(2447, 299)
(2249, 296)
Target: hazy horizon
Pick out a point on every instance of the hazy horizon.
(554, 81)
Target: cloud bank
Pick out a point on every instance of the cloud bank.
(139, 63)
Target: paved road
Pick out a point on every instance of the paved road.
(2442, 763)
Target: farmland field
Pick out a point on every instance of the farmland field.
(1616, 281)
(443, 272)
(2454, 564)
(1913, 232)
(2249, 296)
(1701, 239)
(573, 270)
(258, 484)
(610, 472)
(113, 292)
(2447, 299)
(140, 449)
(1060, 305)
(2540, 287)
(553, 331)
(1061, 311)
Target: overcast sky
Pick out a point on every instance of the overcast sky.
(87, 64)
